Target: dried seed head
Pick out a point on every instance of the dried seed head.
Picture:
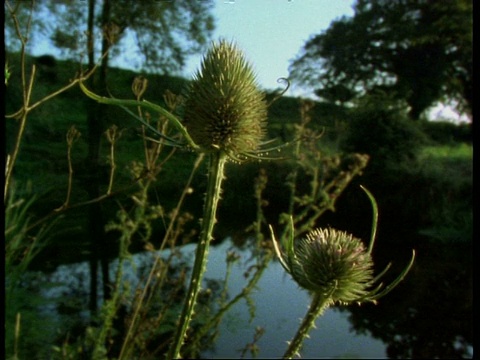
(225, 110)
(139, 86)
(333, 263)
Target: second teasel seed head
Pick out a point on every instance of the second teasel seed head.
(333, 263)
(225, 110)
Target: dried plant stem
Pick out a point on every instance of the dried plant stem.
(23, 121)
(158, 258)
(70, 174)
(26, 108)
(318, 305)
(72, 136)
(252, 283)
(215, 178)
(112, 136)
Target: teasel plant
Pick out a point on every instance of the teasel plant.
(336, 268)
(225, 118)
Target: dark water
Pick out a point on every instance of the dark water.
(428, 316)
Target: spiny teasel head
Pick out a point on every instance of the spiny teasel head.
(225, 110)
(335, 264)
(332, 263)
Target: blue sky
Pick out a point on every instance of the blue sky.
(272, 32)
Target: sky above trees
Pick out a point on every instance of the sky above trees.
(271, 33)
(418, 52)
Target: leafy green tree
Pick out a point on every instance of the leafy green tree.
(419, 51)
(152, 35)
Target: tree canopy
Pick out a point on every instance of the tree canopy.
(152, 35)
(419, 51)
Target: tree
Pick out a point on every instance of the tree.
(152, 35)
(419, 51)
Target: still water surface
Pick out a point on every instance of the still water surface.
(429, 317)
(280, 306)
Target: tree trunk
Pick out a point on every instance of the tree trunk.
(91, 105)
(96, 115)
(102, 87)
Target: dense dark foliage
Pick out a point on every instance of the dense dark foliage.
(419, 51)
(380, 127)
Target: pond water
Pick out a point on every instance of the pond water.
(428, 316)
(280, 306)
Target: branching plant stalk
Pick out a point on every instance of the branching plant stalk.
(72, 136)
(145, 104)
(23, 112)
(151, 275)
(246, 291)
(335, 186)
(111, 306)
(215, 178)
(292, 183)
(112, 137)
(70, 168)
(21, 129)
(318, 305)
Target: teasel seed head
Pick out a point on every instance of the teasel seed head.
(332, 263)
(225, 110)
(336, 265)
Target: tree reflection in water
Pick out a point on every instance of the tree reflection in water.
(430, 314)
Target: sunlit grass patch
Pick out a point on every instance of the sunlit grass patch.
(452, 162)
(457, 151)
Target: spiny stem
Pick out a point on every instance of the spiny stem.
(317, 307)
(215, 178)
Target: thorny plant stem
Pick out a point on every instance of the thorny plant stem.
(318, 305)
(215, 178)
(263, 259)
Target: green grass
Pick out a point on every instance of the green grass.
(461, 151)
(451, 164)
